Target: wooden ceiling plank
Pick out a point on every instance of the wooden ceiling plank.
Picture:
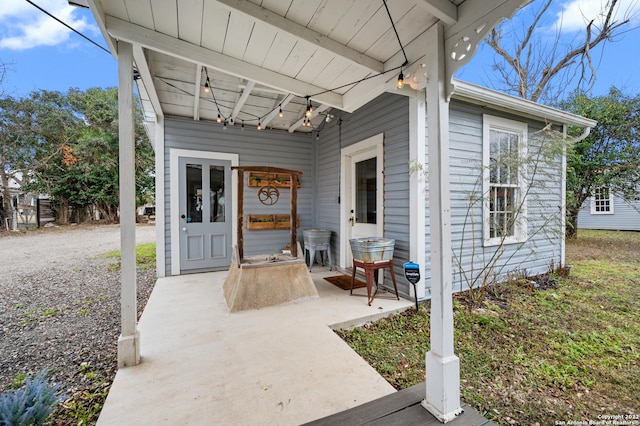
(174, 47)
(238, 35)
(190, 20)
(140, 12)
(353, 21)
(444, 10)
(165, 16)
(214, 33)
(298, 58)
(242, 100)
(261, 40)
(281, 23)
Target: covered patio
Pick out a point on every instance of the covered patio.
(284, 69)
(280, 365)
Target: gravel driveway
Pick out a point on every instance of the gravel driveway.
(60, 303)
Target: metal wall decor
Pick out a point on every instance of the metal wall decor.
(268, 195)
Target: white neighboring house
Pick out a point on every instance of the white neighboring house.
(28, 207)
(607, 210)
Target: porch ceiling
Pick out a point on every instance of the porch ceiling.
(263, 55)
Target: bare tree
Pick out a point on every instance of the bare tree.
(540, 68)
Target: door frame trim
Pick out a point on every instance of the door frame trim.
(374, 142)
(174, 198)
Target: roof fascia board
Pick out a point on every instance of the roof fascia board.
(281, 23)
(98, 13)
(172, 46)
(482, 96)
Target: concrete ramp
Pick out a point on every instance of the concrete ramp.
(267, 281)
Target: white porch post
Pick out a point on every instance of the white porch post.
(417, 186)
(128, 342)
(442, 365)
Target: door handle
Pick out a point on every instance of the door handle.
(352, 220)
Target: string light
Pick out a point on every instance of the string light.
(219, 119)
(259, 125)
(400, 83)
(280, 114)
(206, 86)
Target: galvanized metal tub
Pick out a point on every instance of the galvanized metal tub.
(372, 249)
(316, 237)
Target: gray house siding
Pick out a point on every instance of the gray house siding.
(260, 148)
(319, 156)
(625, 217)
(543, 245)
(389, 114)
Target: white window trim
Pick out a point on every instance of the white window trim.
(490, 122)
(611, 205)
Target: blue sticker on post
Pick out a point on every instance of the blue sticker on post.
(412, 272)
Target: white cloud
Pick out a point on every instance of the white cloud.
(23, 26)
(575, 14)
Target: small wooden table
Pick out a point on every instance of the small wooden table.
(371, 274)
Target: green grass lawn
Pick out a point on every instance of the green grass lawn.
(528, 356)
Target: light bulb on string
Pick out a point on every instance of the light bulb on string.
(280, 113)
(206, 86)
(400, 83)
(259, 125)
(219, 119)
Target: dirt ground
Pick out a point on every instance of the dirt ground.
(60, 304)
(61, 246)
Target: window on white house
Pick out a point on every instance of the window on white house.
(602, 201)
(504, 149)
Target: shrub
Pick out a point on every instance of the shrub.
(30, 405)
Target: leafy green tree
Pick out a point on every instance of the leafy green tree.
(610, 156)
(84, 174)
(32, 132)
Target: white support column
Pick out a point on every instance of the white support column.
(442, 365)
(160, 197)
(417, 184)
(129, 340)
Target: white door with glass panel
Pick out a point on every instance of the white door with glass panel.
(363, 209)
(205, 217)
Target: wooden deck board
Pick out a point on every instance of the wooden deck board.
(402, 408)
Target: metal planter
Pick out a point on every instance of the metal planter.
(372, 249)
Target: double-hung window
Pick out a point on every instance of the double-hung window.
(602, 201)
(504, 151)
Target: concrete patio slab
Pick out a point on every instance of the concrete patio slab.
(280, 365)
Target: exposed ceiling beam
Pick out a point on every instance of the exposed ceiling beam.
(196, 91)
(374, 87)
(147, 80)
(314, 113)
(444, 10)
(172, 46)
(243, 98)
(281, 23)
(267, 118)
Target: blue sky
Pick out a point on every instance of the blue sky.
(42, 54)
